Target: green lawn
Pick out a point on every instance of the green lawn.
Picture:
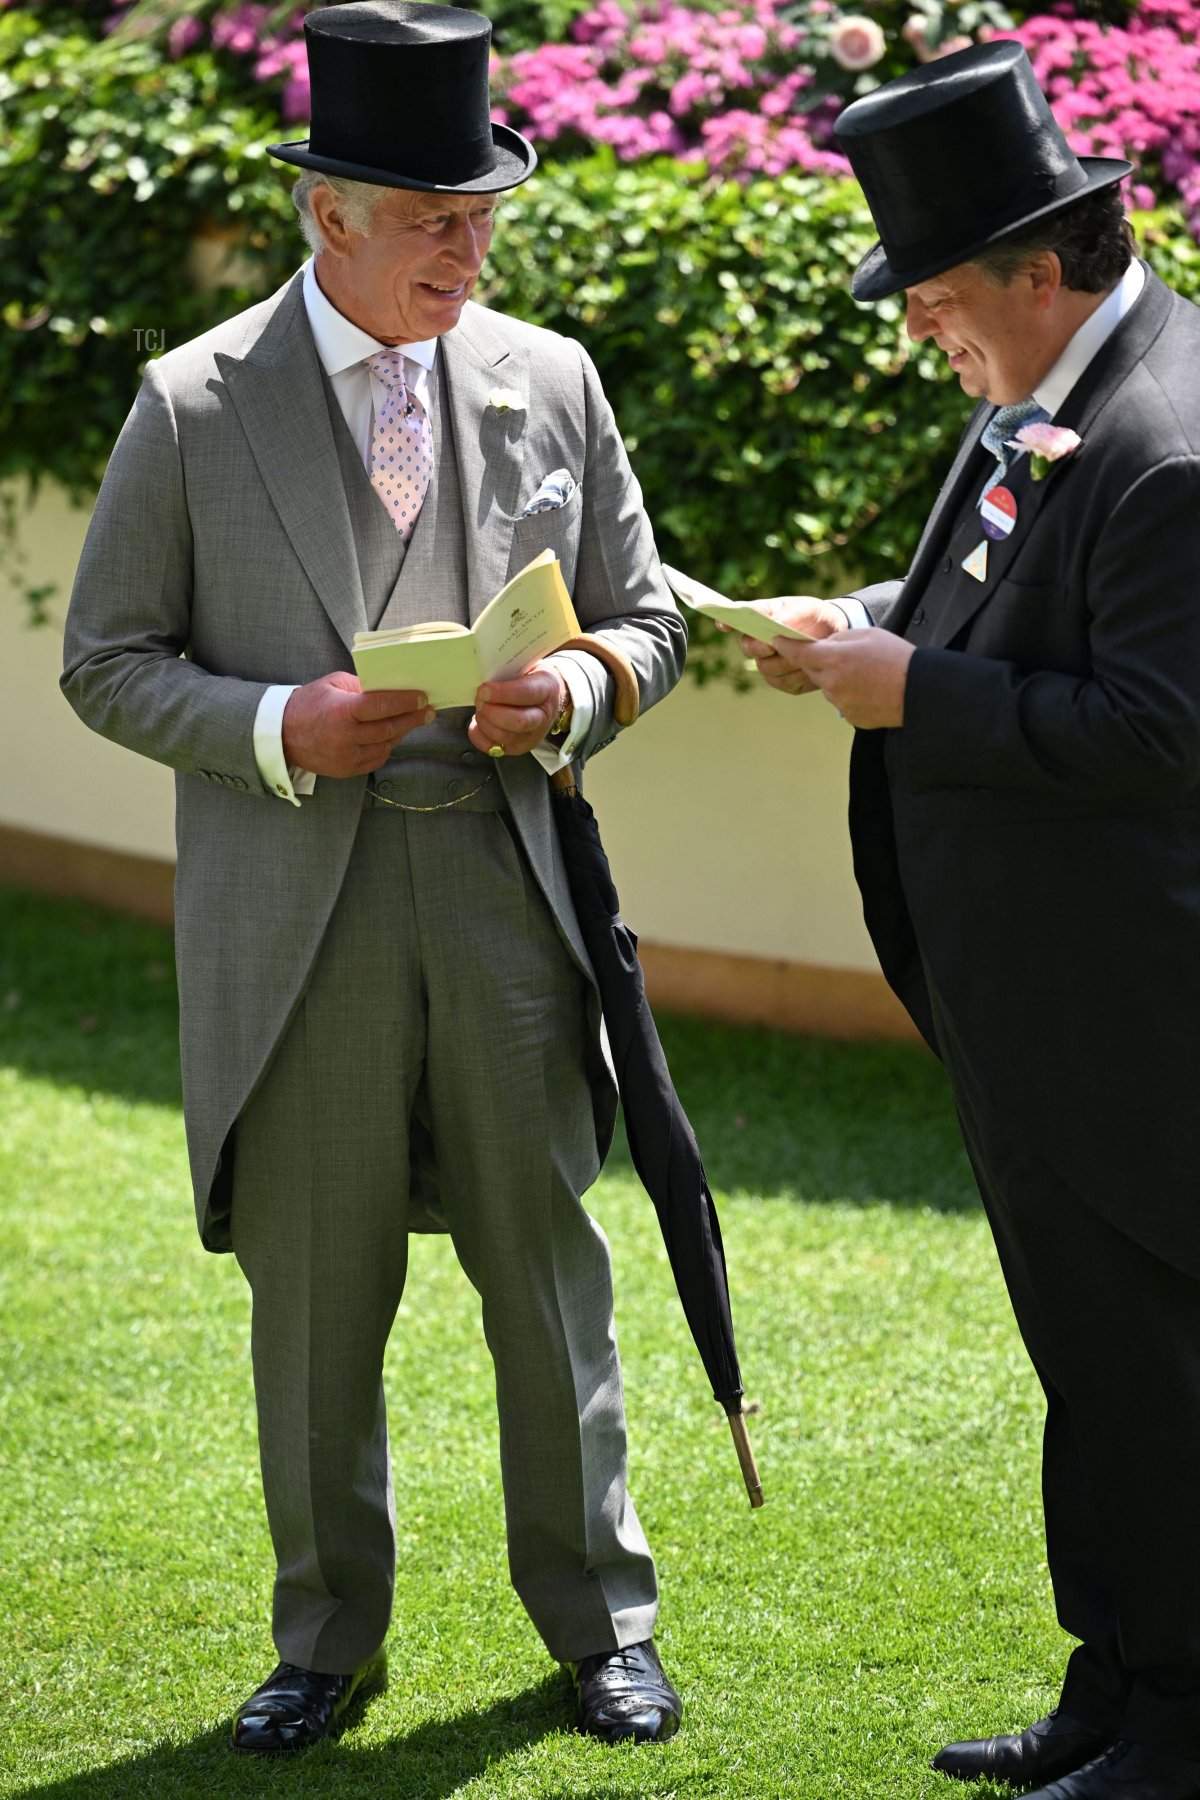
(891, 1593)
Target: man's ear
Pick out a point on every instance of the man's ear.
(1044, 273)
(326, 210)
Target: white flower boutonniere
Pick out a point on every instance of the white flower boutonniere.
(504, 400)
(1047, 444)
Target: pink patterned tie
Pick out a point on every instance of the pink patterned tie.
(401, 445)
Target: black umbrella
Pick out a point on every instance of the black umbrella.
(661, 1140)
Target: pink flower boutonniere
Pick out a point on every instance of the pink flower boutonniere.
(1047, 444)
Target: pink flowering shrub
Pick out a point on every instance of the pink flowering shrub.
(755, 86)
(732, 88)
(279, 56)
(1129, 90)
(251, 30)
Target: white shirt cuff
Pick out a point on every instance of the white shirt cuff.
(857, 616)
(571, 666)
(275, 774)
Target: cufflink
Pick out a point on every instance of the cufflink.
(562, 724)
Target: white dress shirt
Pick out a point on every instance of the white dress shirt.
(1052, 390)
(1092, 335)
(344, 348)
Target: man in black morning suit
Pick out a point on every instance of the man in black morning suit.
(1025, 812)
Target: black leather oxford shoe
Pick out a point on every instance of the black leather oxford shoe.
(624, 1694)
(297, 1707)
(1128, 1772)
(1054, 1746)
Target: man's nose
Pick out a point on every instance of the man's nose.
(917, 322)
(468, 245)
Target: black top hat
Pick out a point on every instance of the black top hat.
(400, 99)
(956, 156)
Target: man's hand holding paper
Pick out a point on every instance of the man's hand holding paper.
(330, 727)
(529, 618)
(862, 673)
(514, 716)
(802, 613)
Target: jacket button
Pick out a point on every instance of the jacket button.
(469, 756)
(453, 789)
(918, 617)
(383, 787)
(947, 564)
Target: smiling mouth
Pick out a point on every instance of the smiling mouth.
(448, 292)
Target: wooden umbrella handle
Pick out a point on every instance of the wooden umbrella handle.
(626, 700)
(745, 1456)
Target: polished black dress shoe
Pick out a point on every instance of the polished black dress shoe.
(1054, 1746)
(1128, 1772)
(624, 1694)
(297, 1707)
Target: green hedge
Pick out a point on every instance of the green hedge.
(786, 438)
(111, 160)
(783, 435)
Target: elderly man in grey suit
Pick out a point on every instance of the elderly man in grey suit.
(386, 1005)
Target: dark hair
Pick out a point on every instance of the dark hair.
(1093, 240)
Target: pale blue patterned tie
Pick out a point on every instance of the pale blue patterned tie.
(1001, 428)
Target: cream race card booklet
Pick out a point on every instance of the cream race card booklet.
(750, 617)
(529, 617)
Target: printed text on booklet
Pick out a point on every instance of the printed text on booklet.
(528, 619)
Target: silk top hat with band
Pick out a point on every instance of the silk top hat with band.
(400, 99)
(955, 157)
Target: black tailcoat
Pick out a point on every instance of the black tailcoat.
(1031, 835)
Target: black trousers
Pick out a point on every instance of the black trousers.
(1114, 1335)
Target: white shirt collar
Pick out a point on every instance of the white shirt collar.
(341, 344)
(1095, 331)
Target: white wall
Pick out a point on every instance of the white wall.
(56, 776)
(723, 813)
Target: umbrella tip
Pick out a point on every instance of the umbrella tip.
(745, 1456)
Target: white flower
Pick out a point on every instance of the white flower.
(914, 33)
(506, 400)
(856, 43)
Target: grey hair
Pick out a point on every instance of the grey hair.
(357, 202)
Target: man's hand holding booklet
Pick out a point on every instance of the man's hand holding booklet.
(752, 618)
(528, 618)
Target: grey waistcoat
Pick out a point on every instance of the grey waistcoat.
(428, 580)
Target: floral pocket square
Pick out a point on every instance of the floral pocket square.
(554, 492)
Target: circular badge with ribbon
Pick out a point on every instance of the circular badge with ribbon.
(998, 511)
